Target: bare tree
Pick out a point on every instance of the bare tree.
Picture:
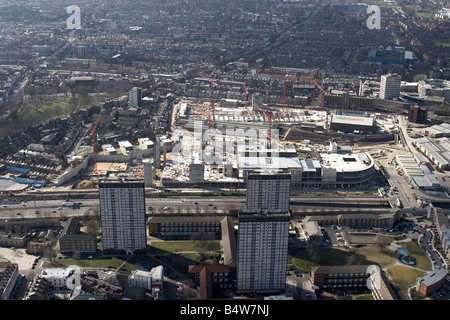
(49, 252)
(313, 250)
(380, 242)
(93, 226)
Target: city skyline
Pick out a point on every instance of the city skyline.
(228, 151)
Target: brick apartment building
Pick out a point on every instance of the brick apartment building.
(432, 281)
(72, 240)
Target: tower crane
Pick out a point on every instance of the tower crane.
(213, 84)
(206, 116)
(309, 79)
(93, 136)
(285, 75)
(270, 118)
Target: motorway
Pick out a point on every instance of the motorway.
(191, 204)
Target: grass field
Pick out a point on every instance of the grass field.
(424, 14)
(404, 277)
(179, 262)
(92, 263)
(325, 257)
(423, 262)
(376, 255)
(332, 256)
(159, 247)
(441, 43)
(47, 110)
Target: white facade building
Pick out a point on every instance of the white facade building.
(57, 277)
(147, 279)
(135, 97)
(390, 86)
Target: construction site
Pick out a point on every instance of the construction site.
(222, 140)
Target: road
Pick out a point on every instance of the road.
(400, 183)
(426, 242)
(63, 209)
(174, 204)
(408, 142)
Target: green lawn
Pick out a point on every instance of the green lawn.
(159, 247)
(325, 257)
(364, 297)
(92, 263)
(388, 239)
(438, 43)
(333, 256)
(376, 255)
(37, 112)
(423, 262)
(424, 14)
(404, 277)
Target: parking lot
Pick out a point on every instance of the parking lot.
(19, 256)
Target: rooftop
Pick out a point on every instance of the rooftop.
(433, 276)
(354, 120)
(347, 162)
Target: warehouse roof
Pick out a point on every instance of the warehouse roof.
(353, 120)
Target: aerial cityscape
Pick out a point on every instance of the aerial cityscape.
(223, 150)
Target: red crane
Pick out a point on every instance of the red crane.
(246, 96)
(309, 79)
(204, 114)
(93, 136)
(213, 84)
(269, 116)
(285, 75)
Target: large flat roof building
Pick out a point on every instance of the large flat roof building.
(72, 240)
(437, 150)
(352, 123)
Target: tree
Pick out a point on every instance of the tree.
(93, 226)
(352, 258)
(49, 252)
(313, 250)
(380, 242)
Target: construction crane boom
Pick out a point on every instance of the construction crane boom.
(309, 79)
(246, 96)
(270, 118)
(93, 136)
(204, 114)
(213, 84)
(284, 75)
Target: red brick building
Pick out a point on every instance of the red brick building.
(72, 240)
(211, 278)
(432, 281)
